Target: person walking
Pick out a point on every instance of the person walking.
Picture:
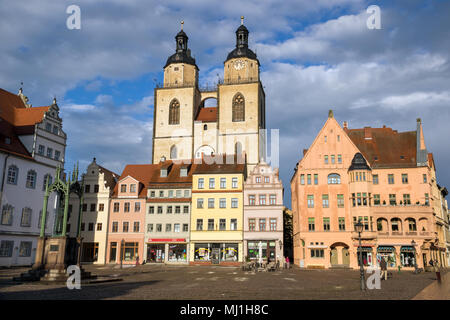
(287, 263)
(383, 266)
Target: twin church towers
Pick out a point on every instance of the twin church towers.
(184, 128)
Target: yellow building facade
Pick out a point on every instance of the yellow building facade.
(217, 214)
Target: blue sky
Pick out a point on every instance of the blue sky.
(315, 56)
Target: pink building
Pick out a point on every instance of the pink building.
(383, 178)
(263, 214)
(126, 225)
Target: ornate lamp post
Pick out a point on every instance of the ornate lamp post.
(359, 228)
(122, 243)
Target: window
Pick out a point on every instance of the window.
(266, 179)
(406, 199)
(394, 225)
(302, 179)
(125, 227)
(427, 199)
(84, 207)
(96, 187)
(222, 203)
(47, 180)
(174, 112)
(332, 159)
(87, 188)
(339, 157)
(25, 249)
(177, 209)
(170, 194)
(185, 209)
(168, 227)
(199, 203)
(238, 108)
(424, 178)
(233, 224)
(211, 203)
(251, 199)
(404, 178)
(57, 155)
(161, 194)
(82, 227)
(201, 182)
(137, 207)
(99, 227)
(185, 227)
(262, 199)
(341, 223)
(392, 200)
(132, 188)
(338, 138)
(412, 225)
(310, 201)
(359, 199)
(325, 139)
(126, 207)
(273, 199)
(158, 227)
(26, 217)
(326, 224)
(199, 224)
(7, 215)
(311, 225)
(375, 179)
(223, 183)
(251, 224)
(160, 210)
(262, 224)
(150, 227)
(364, 198)
(390, 178)
(13, 174)
(340, 200)
(334, 178)
(326, 159)
(6, 248)
(210, 224)
(176, 227)
(50, 152)
(173, 154)
(31, 179)
(212, 183)
(325, 201)
(376, 199)
(222, 224)
(91, 226)
(152, 194)
(234, 183)
(40, 219)
(93, 207)
(151, 210)
(316, 179)
(273, 224)
(48, 127)
(186, 193)
(169, 210)
(317, 253)
(309, 178)
(41, 150)
(234, 202)
(55, 130)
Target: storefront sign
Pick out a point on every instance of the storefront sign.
(167, 240)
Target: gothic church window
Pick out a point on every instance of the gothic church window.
(174, 112)
(238, 108)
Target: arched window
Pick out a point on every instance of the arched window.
(31, 179)
(173, 152)
(334, 178)
(174, 112)
(238, 148)
(412, 224)
(13, 174)
(48, 178)
(396, 225)
(238, 108)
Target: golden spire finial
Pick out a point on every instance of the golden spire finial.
(182, 23)
(242, 20)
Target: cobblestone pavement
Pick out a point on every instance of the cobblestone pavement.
(216, 282)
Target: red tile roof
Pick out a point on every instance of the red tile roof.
(207, 114)
(384, 147)
(229, 164)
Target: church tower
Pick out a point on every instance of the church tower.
(175, 104)
(242, 103)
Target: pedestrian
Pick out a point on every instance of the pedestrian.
(383, 266)
(137, 259)
(287, 263)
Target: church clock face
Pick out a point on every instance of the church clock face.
(239, 64)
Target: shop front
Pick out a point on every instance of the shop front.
(367, 256)
(261, 248)
(156, 252)
(167, 251)
(216, 253)
(407, 256)
(387, 253)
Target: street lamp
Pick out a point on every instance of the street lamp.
(121, 252)
(359, 228)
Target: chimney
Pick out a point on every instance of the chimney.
(345, 125)
(367, 133)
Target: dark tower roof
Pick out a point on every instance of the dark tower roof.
(242, 49)
(182, 53)
(359, 163)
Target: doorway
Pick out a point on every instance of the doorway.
(334, 256)
(345, 257)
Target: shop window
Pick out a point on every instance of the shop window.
(202, 252)
(130, 251)
(177, 253)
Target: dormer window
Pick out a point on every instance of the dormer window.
(123, 188)
(183, 172)
(132, 188)
(164, 172)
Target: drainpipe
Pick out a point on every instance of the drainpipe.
(3, 179)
